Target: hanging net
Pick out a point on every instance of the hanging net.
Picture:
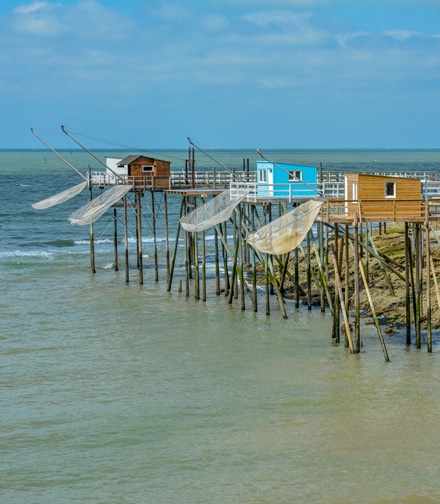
(61, 197)
(213, 212)
(288, 231)
(97, 207)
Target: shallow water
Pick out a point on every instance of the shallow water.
(116, 393)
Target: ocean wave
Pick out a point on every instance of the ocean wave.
(50, 243)
(31, 253)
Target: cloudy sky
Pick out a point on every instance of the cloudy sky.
(227, 73)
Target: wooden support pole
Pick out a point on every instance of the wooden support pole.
(320, 258)
(139, 238)
(428, 288)
(434, 277)
(336, 334)
(167, 238)
(225, 260)
(154, 218)
(176, 244)
(91, 231)
(296, 271)
(217, 264)
(203, 267)
(266, 271)
(373, 311)
(254, 281)
(276, 286)
(357, 316)
(187, 264)
(241, 252)
(195, 242)
(309, 274)
(127, 273)
(233, 286)
(346, 248)
(115, 241)
(254, 267)
(408, 283)
(418, 303)
(344, 312)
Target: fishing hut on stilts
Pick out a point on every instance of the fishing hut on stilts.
(282, 231)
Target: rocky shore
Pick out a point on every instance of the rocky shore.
(387, 289)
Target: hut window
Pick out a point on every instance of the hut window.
(262, 176)
(147, 169)
(295, 175)
(390, 189)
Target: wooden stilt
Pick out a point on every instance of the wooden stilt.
(408, 283)
(217, 265)
(139, 238)
(127, 273)
(167, 239)
(320, 259)
(434, 277)
(344, 312)
(176, 244)
(241, 252)
(276, 286)
(187, 264)
(336, 334)
(428, 289)
(345, 247)
(91, 231)
(254, 282)
(418, 303)
(154, 218)
(195, 242)
(233, 286)
(225, 261)
(266, 268)
(309, 274)
(296, 270)
(373, 311)
(115, 241)
(203, 267)
(357, 316)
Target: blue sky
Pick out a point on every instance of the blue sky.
(227, 73)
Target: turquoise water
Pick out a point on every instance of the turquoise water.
(116, 393)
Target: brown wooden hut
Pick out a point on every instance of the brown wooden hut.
(384, 198)
(147, 172)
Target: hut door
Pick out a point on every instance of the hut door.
(270, 181)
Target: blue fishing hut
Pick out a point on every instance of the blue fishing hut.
(286, 180)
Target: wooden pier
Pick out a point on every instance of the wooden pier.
(334, 266)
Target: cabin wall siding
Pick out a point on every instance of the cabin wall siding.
(160, 173)
(373, 205)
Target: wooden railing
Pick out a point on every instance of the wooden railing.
(388, 210)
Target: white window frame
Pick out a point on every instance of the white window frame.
(262, 176)
(390, 185)
(147, 169)
(295, 175)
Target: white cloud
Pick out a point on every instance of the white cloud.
(38, 18)
(175, 54)
(33, 7)
(400, 35)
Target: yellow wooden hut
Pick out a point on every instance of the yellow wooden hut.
(384, 198)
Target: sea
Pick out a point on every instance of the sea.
(116, 392)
